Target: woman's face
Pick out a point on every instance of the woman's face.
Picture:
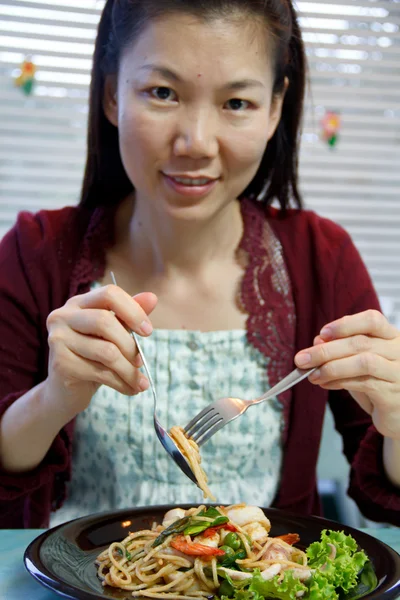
(194, 110)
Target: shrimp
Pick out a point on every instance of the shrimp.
(276, 551)
(209, 540)
(252, 520)
(173, 515)
(243, 515)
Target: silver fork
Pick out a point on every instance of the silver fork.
(224, 410)
(162, 433)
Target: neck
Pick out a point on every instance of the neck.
(164, 246)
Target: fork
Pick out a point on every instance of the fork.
(224, 410)
(162, 434)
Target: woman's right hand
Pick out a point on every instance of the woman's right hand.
(90, 346)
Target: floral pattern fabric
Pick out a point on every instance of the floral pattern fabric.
(118, 461)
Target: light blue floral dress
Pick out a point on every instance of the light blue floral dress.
(118, 461)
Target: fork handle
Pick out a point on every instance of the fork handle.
(285, 384)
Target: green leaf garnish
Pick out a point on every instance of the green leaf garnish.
(342, 570)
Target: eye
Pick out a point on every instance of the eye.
(238, 105)
(163, 93)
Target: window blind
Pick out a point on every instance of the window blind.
(354, 56)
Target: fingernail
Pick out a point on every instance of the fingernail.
(303, 359)
(146, 327)
(315, 376)
(326, 332)
(143, 384)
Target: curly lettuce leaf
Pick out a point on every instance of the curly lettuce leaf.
(366, 582)
(339, 570)
(258, 588)
(342, 570)
(320, 589)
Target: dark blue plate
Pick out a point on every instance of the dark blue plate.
(62, 558)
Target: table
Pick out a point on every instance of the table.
(17, 584)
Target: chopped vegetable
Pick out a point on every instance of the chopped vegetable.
(226, 589)
(229, 560)
(192, 549)
(233, 540)
(176, 527)
(199, 526)
(210, 531)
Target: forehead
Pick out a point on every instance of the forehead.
(216, 47)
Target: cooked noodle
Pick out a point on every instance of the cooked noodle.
(160, 565)
(191, 451)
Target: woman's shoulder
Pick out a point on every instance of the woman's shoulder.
(301, 221)
(45, 233)
(48, 226)
(298, 221)
(41, 248)
(303, 234)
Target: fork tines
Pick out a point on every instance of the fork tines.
(204, 425)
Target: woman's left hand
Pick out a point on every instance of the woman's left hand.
(360, 353)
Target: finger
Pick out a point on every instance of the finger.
(124, 306)
(324, 352)
(147, 300)
(369, 322)
(365, 364)
(109, 357)
(358, 385)
(103, 324)
(87, 370)
(360, 397)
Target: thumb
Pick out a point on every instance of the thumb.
(147, 300)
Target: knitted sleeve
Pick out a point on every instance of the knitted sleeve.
(374, 494)
(25, 253)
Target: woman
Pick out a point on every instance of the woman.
(193, 130)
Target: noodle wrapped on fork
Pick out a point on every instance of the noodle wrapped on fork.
(191, 452)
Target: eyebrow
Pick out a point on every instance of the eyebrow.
(172, 76)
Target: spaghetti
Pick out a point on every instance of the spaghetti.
(188, 558)
(191, 452)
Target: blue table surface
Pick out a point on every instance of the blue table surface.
(17, 584)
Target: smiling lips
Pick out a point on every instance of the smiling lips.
(191, 186)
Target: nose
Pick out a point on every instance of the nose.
(196, 136)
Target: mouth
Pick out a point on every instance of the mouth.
(191, 181)
(189, 186)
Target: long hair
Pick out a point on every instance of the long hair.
(105, 180)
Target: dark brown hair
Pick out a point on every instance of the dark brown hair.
(106, 182)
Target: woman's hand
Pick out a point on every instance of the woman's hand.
(361, 354)
(89, 346)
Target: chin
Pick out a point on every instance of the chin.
(202, 209)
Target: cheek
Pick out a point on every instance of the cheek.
(246, 147)
(137, 134)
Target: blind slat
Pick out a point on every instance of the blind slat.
(354, 57)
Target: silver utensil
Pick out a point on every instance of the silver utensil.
(162, 433)
(224, 410)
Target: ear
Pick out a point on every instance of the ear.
(276, 109)
(110, 100)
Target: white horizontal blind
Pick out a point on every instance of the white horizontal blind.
(354, 54)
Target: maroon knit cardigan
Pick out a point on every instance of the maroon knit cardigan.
(48, 257)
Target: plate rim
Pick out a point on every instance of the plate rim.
(45, 577)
